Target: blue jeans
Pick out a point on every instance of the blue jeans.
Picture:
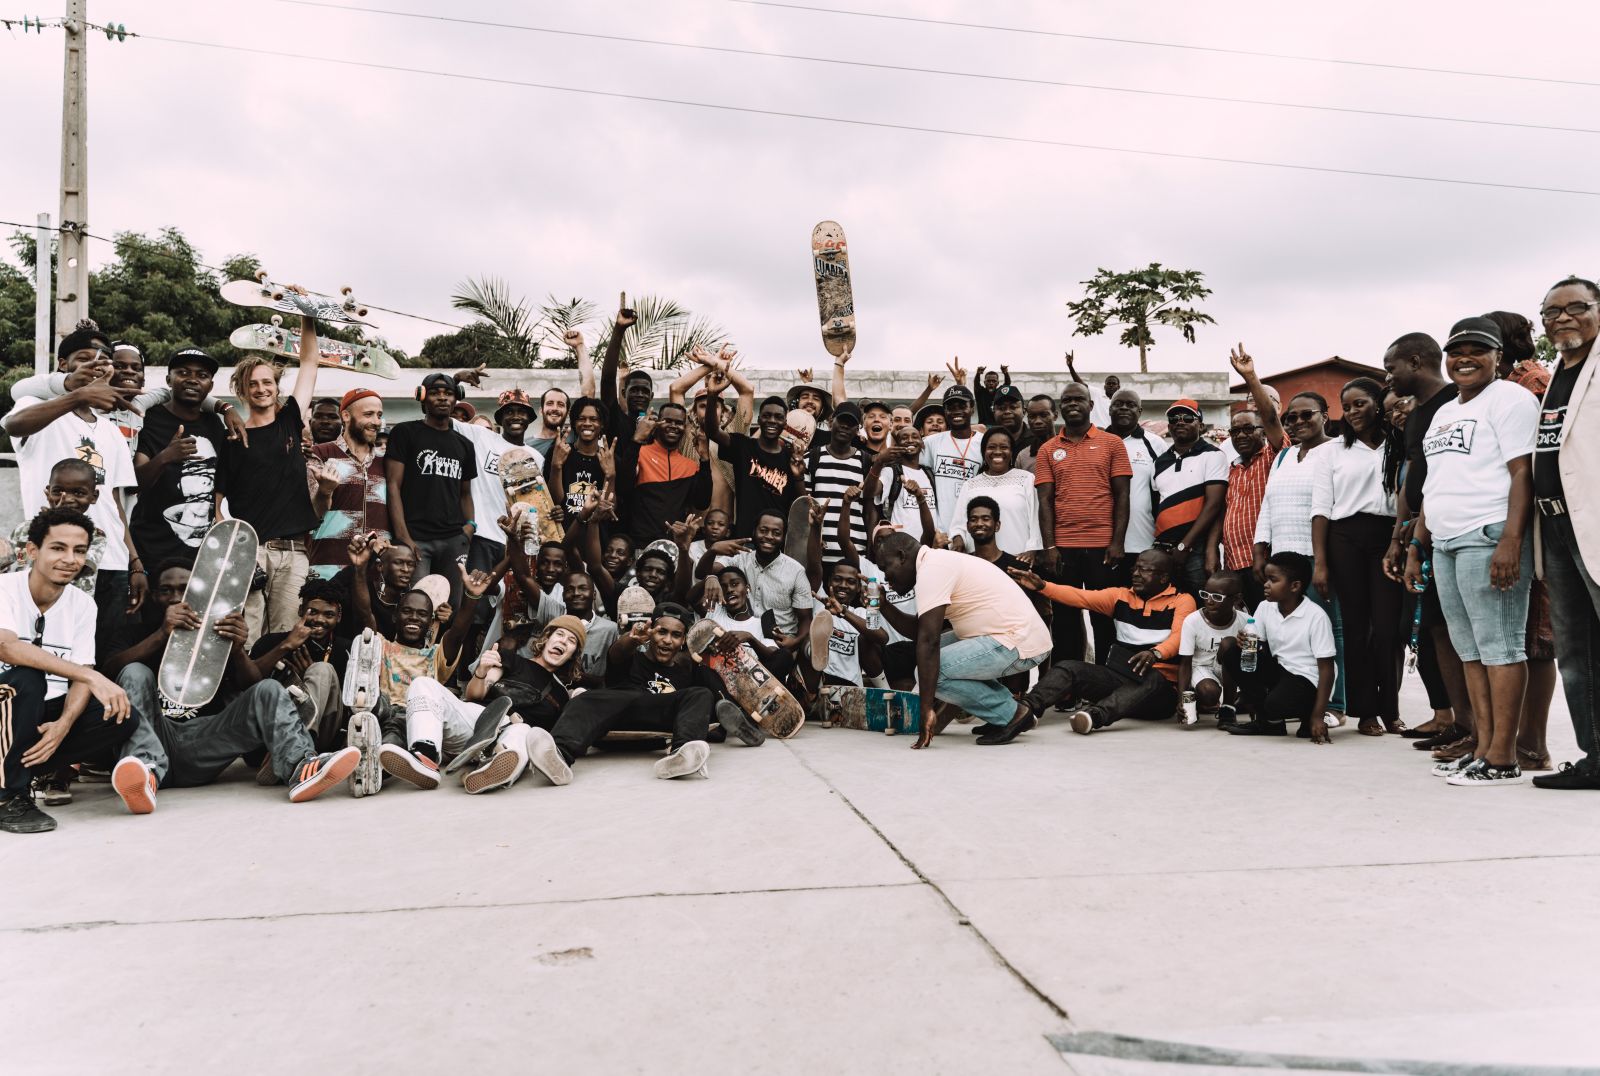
(1330, 605)
(1486, 625)
(1574, 599)
(970, 672)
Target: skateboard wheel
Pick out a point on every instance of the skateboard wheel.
(361, 311)
(277, 295)
(261, 275)
(346, 290)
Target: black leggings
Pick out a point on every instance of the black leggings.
(1371, 607)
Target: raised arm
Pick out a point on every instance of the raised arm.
(744, 409)
(473, 585)
(922, 397)
(678, 391)
(710, 423)
(97, 393)
(574, 339)
(360, 592)
(839, 396)
(613, 357)
(1271, 424)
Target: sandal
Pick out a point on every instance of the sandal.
(1530, 761)
(1369, 726)
(1395, 726)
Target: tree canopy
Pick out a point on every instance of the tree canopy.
(1138, 299)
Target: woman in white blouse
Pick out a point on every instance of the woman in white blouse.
(1352, 517)
(1012, 490)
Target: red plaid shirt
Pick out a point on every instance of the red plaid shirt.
(1247, 485)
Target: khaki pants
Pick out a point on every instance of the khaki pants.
(277, 608)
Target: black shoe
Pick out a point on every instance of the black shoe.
(1007, 733)
(1569, 776)
(19, 815)
(1227, 716)
(1258, 727)
(1441, 739)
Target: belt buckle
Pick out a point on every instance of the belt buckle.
(1551, 506)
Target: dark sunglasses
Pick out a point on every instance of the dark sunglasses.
(38, 628)
(1300, 416)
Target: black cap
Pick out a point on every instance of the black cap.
(848, 409)
(85, 334)
(876, 405)
(1008, 392)
(961, 392)
(1475, 331)
(193, 354)
(432, 379)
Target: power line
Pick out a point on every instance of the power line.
(879, 124)
(1162, 44)
(911, 69)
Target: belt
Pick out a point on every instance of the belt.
(294, 544)
(1551, 506)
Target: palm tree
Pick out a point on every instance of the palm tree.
(663, 336)
(512, 323)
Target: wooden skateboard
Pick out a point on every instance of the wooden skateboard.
(264, 293)
(276, 340)
(195, 658)
(836, 304)
(875, 709)
(797, 530)
(525, 487)
(758, 693)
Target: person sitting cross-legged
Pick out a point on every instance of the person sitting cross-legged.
(1294, 665)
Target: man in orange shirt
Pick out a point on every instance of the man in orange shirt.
(1139, 677)
(1081, 477)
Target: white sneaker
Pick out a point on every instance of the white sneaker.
(135, 784)
(1456, 765)
(686, 761)
(420, 770)
(545, 756)
(1332, 720)
(1082, 722)
(365, 736)
(1484, 775)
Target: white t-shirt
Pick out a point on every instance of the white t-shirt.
(1199, 640)
(68, 626)
(1141, 533)
(100, 444)
(951, 462)
(844, 645)
(1299, 639)
(1347, 480)
(488, 491)
(905, 512)
(719, 615)
(1468, 448)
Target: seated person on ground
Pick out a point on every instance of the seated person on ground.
(1218, 618)
(1294, 669)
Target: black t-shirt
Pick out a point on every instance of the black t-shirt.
(1553, 416)
(268, 477)
(336, 652)
(761, 480)
(645, 673)
(175, 510)
(580, 476)
(537, 696)
(1417, 425)
(438, 463)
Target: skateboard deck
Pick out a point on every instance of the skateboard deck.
(361, 677)
(634, 604)
(195, 658)
(875, 709)
(267, 295)
(524, 484)
(836, 304)
(799, 427)
(797, 531)
(277, 340)
(757, 692)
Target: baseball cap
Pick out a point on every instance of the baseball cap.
(511, 398)
(1008, 392)
(1474, 331)
(959, 392)
(433, 379)
(1184, 404)
(462, 405)
(195, 355)
(849, 409)
(876, 405)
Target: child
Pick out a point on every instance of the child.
(842, 632)
(1294, 669)
(1200, 679)
(72, 485)
(714, 527)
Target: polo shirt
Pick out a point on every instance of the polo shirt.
(1296, 640)
(1153, 623)
(980, 600)
(1082, 471)
(1247, 485)
(1180, 484)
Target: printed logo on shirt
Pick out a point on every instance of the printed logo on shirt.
(659, 685)
(1551, 419)
(88, 453)
(430, 463)
(1451, 437)
(492, 464)
(1058, 455)
(775, 479)
(955, 467)
(843, 643)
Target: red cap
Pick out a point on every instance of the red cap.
(356, 394)
(1184, 404)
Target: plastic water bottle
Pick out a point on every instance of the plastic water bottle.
(874, 592)
(1249, 646)
(530, 544)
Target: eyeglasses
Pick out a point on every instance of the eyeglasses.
(1212, 596)
(1300, 416)
(1575, 310)
(1241, 429)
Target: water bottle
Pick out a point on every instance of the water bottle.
(530, 544)
(874, 592)
(1248, 646)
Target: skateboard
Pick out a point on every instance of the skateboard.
(836, 304)
(634, 605)
(276, 340)
(875, 709)
(264, 293)
(797, 531)
(362, 675)
(799, 427)
(759, 694)
(525, 486)
(195, 658)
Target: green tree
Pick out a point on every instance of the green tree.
(1138, 300)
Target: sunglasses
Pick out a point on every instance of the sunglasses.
(1212, 596)
(38, 629)
(1300, 416)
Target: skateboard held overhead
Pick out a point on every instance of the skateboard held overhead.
(283, 299)
(836, 304)
(758, 693)
(275, 339)
(195, 658)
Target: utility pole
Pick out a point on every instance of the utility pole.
(41, 296)
(72, 263)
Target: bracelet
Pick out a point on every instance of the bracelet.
(471, 523)
(1421, 548)
(139, 571)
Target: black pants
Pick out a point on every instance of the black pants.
(1085, 568)
(114, 629)
(1427, 649)
(1371, 606)
(1272, 693)
(93, 736)
(1150, 698)
(686, 714)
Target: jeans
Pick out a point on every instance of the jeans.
(1330, 605)
(1084, 568)
(92, 736)
(1574, 599)
(440, 556)
(114, 630)
(277, 608)
(1486, 624)
(436, 720)
(970, 671)
(184, 754)
(686, 714)
(1150, 698)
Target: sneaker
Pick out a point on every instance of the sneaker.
(266, 777)
(136, 784)
(1189, 708)
(1259, 726)
(1081, 722)
(493, 718)
(365, 736)
(1227, 714)
(502, 770)
(321, 772)
(93, 775)
(19, 815)
(686, 761)
(1455, 766)
(53, 790)
(545, 756)
(1333, 719)
(734, 721)
(420, 770)
(1569, 776)
(1484, 774)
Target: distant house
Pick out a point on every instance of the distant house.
(1326, 378)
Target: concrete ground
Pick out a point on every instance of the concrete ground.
(836, 903)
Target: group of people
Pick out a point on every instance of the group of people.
(408, 621)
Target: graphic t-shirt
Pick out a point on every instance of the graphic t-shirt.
(100, 445)
(580, 476)
(761, 481)
(436, 463)
(488, 490)
(1468, 448)
(175, 510)
(268, 477)
(904, 511)
(1200, 639)
(1552, 417)
(844, 645)
(647, 674)
(951, 461)
(1417, 427)
(68, 626)
(403, 664)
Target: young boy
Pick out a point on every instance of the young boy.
(851, 626)
(1294, 665)
(1200, 679)
(714, 527)
(72, 485)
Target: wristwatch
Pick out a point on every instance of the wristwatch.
(1180, 548)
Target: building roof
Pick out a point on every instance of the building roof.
(1333, 364)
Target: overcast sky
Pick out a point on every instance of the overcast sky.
(404, 184)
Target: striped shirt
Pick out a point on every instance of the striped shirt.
(1153, 623)
(1284, 525)
(830, 477)
(1082, 471)
(1181, 482)
(1247, 485)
